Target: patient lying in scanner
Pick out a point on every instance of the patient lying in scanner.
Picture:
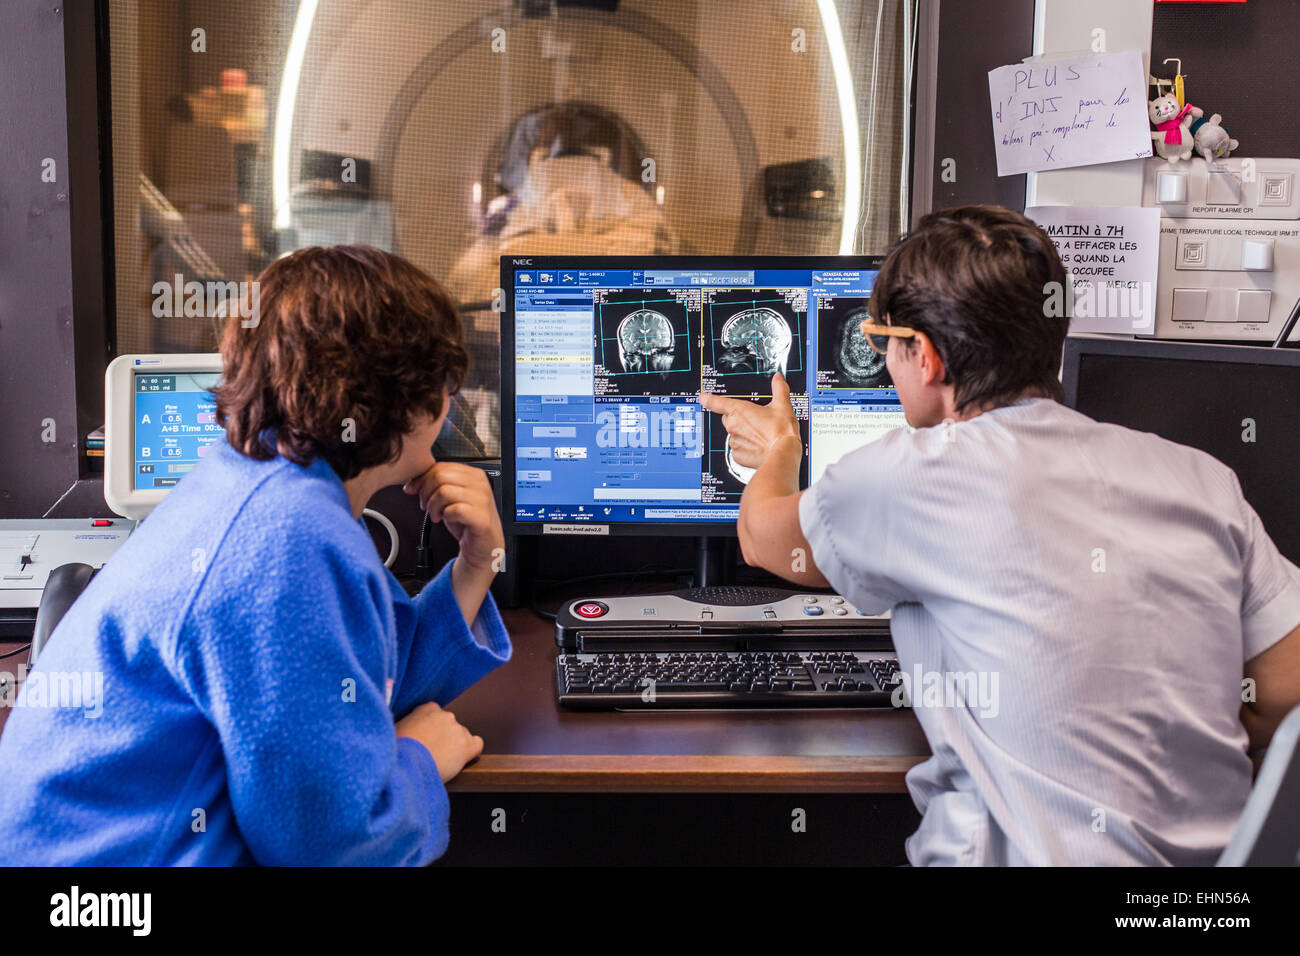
(572, 179)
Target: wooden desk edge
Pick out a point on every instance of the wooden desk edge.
(665, 773)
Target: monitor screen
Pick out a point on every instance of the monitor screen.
(175, 420)
(1237, 403)
(606, 359)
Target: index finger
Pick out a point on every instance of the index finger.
(720, 403)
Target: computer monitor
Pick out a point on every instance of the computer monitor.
(160, 418)
(1239, 403)
(603, 359)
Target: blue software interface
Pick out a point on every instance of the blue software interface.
(609, 363)
(175, 422)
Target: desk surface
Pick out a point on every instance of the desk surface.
(530, 744)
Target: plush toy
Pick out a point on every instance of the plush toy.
(1173, 138)
(1211, 140)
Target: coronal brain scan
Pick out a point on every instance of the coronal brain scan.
(646, 342)
(755, 340)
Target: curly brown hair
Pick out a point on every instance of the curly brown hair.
(350, 345)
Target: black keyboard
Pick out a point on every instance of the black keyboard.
(727, 679)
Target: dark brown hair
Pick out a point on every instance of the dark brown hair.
(976, 280)
(344, 333)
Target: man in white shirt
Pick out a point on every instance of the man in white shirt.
(1079, 609)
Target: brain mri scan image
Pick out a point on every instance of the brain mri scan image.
(844, 359)
(742, 473)
(858, 362)
(750, 334)
(646, 342)
(756, 340)
(726, 478)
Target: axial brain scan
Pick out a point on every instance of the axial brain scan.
(756, 340)
(646, 342)
(858, 362)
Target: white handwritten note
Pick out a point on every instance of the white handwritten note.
(1111, 254)
(1069, 111)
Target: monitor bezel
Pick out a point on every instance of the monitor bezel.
(1077, 347)
(120, 492)
(509, 264)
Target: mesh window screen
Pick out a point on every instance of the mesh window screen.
(455, 133)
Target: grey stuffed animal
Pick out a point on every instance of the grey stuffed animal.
(1212, 140)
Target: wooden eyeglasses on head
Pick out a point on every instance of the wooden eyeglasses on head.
(878, 335)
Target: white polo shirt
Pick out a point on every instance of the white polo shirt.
(1072, 606)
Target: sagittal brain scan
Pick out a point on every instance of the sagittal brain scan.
(751, 334)
(844, 359)
(756, 340)
(647, 342)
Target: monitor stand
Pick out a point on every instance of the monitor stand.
(715, 561)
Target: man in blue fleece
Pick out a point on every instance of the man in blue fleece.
(270, 693)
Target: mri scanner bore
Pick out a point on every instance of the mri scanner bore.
(455, 134)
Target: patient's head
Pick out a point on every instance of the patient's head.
(976, 281)
(354, 349)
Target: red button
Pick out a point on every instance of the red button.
(591, 609)
(100, 523)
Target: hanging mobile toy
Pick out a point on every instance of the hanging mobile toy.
(1179, 88)
(1208, 136)
(1172, 118)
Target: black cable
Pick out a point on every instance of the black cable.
(422, 569)
(532, 606)
(13, 652)
(1287, 326)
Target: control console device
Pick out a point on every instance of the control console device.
(723, 646)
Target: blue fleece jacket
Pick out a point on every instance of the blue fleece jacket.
(254, 654)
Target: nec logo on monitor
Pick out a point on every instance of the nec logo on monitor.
(523, 262)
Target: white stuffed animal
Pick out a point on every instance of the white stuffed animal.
(1172, 137)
